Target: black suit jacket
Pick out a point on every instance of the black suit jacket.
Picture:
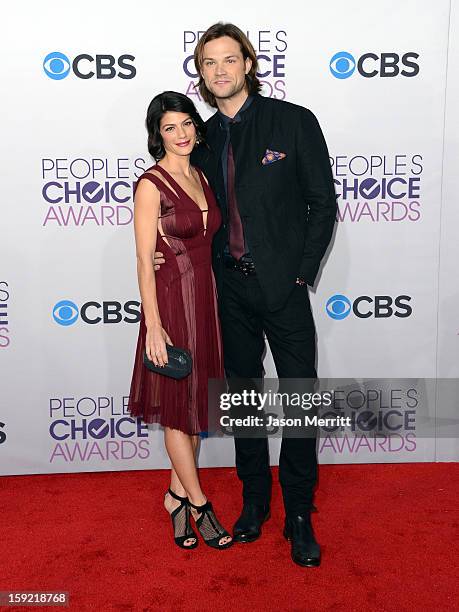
(288, 207)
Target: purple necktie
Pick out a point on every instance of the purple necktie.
(236, 233)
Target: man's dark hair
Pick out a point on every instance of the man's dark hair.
(218, 30)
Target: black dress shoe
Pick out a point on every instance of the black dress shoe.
(248, 526)
(305, 549)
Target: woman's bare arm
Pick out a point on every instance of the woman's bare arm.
(146, 212)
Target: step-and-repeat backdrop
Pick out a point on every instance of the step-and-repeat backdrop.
(383, 82)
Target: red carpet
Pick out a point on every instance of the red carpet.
(387, 533)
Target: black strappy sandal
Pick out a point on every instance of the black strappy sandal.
(181, 522)
(209, 527)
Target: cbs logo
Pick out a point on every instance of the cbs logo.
(368, 65)
(57, 66)
(2, 433)
(380, 307)
(66, 312)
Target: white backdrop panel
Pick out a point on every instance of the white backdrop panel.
(71, 149)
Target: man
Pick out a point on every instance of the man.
(268, 165)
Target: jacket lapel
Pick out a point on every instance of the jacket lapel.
(216, 137)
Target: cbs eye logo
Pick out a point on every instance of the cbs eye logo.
(338, 307)
(57, 66)
(343, 65)
(65, 312)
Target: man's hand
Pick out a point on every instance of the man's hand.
(158, 260)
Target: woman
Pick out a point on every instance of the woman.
(175, 210)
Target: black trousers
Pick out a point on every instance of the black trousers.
(291, 336)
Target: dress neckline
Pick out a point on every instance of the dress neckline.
(176, 186)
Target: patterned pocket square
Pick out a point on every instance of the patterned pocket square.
(272, 156)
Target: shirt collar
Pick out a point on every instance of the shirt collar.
(237, 117)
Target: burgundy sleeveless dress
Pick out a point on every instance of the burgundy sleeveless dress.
(186, 294)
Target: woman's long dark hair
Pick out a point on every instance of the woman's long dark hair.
(161, 104)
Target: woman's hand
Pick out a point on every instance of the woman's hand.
(155, 344)
(158, 260)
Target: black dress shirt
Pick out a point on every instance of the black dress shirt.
(225, 123)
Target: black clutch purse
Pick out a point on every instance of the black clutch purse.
(179, 363)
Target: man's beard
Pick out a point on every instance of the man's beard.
(233, 92)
